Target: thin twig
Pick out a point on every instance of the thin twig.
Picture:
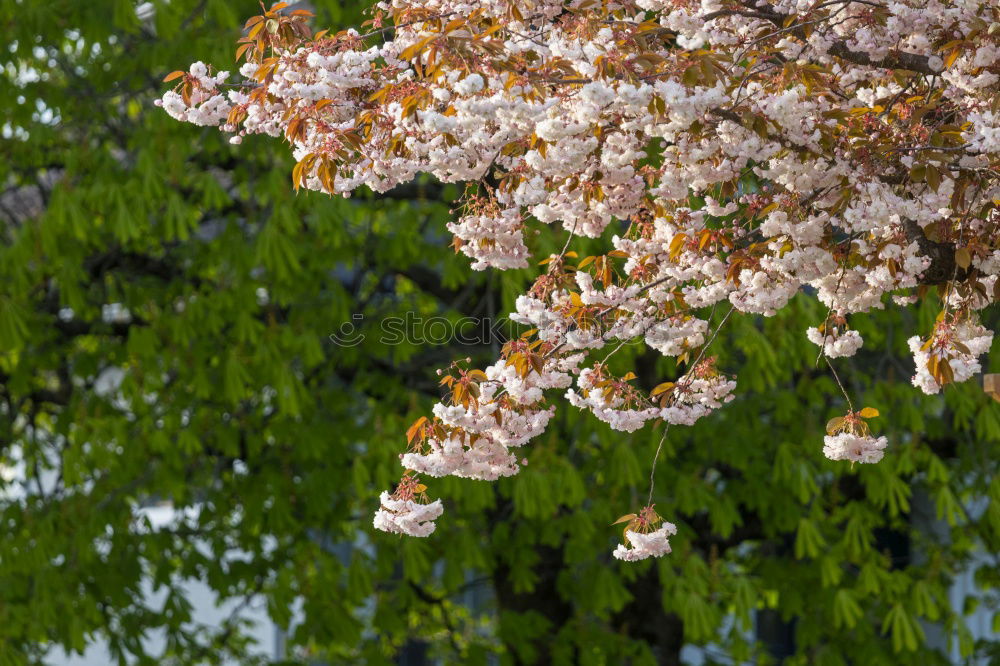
(850, 405)
(659, 447)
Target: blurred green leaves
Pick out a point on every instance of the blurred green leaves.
(232, 400)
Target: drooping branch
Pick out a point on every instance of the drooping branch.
(752, 157)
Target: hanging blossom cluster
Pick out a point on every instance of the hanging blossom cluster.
(833, 337)
(643, 537)
(732, 153)
(849, 438)
(950, 354)
(406, 511)
(623, 407)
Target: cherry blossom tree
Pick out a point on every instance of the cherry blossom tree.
(729, 153)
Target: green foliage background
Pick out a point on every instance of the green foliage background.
(241, 406)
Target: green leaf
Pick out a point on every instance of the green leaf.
(846, 610)
(808, 540)
(905, 630)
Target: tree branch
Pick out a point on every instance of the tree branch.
(894, 60)
(942, 256)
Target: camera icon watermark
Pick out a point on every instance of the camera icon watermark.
(349, 334)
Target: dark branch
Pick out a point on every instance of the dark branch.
(942, 256)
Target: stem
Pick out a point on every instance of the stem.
(659, 447)
(652, 469)
(850, 405)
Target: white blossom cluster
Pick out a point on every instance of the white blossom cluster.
(492, 241)
(835, 343)
(481, 437)
(695, 397)
(676, 335)
(612, 409)
(974, 340)
(407, 516)
(642, 545)
(855, 448)
(207, 106)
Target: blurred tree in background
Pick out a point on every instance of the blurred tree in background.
(166, 304)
